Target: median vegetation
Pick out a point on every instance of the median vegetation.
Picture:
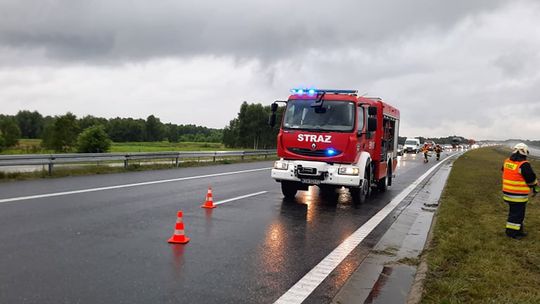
(470, 259)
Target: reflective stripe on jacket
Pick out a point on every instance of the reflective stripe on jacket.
(513, 184)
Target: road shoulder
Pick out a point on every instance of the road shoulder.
(388, 272)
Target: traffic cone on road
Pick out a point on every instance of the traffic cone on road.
(209, 200)
(179, 236)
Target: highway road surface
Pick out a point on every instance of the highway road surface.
(103, 238)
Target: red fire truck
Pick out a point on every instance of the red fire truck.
(334, 139)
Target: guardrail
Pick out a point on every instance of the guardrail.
(51, 159)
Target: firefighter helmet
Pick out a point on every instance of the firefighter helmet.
(522, 149)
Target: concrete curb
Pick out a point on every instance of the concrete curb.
(417, 288)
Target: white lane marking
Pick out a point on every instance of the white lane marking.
(13, 199)
(306, 285)
(239, 197)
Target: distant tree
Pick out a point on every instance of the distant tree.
(30, 123)
(126, 129)
(172, 132)
(250, 129)
(93, 140)
(2, 142)
(61, 134)
(230, 134)
(90, 121)
(154, 129)
(10, 131)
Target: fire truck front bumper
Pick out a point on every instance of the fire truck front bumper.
(317, 173)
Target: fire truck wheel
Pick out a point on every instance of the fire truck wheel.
(288, 189)
(382, 184)
(360, 194)
(386, 181)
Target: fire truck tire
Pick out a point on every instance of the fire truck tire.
(360, 194)
(382, 184)
(289, 189)
(389, 174)
(386, 181)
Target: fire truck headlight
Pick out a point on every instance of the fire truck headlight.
(279, 165)
(348, 171)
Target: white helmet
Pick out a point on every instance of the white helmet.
(522, 149)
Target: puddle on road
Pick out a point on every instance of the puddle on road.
(393, 285)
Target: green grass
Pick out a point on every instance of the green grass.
(470, 259)
(27, 146)
(33, 146)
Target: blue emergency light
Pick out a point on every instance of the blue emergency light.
(303, 91)
(330, 152)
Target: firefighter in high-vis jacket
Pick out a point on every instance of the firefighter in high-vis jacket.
(518, 180)
(425, 150)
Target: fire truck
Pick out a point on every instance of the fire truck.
(334, 139)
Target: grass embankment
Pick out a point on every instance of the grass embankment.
(470, 258)
(33, 146)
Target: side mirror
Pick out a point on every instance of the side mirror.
(372, 111)
(274, 107)
(372, 123)
(272, 119)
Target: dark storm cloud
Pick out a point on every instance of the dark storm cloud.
(131, 30)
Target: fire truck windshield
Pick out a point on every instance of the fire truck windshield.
(332, 116)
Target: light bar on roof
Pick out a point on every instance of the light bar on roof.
(302, 91)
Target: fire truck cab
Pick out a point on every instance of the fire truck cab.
(334, 139)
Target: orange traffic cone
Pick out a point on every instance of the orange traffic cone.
(178, 236)
(209, 200)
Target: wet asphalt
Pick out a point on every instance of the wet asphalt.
(111, 246)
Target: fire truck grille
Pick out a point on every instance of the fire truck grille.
(316, 153)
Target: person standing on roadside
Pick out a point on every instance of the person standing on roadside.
(518, 179)
(425, 151)
(438, 150)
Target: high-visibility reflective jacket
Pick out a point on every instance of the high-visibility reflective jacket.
(515, 188)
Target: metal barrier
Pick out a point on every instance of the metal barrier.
(51, 159)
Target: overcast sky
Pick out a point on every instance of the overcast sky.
(466, 67)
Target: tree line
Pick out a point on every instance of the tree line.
(61, 133)
(250, 128)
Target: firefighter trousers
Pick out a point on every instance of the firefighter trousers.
(516, 215)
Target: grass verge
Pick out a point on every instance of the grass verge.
(470, 259)
(33, 146)
(105, 169)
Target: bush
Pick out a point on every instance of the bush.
(93, 140)
(2, 143)
(61, 134)
(10, 132)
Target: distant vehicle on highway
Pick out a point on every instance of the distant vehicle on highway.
(455, 142)
(412, 145)
(400, 150)
(335, 139)
(448, 147)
